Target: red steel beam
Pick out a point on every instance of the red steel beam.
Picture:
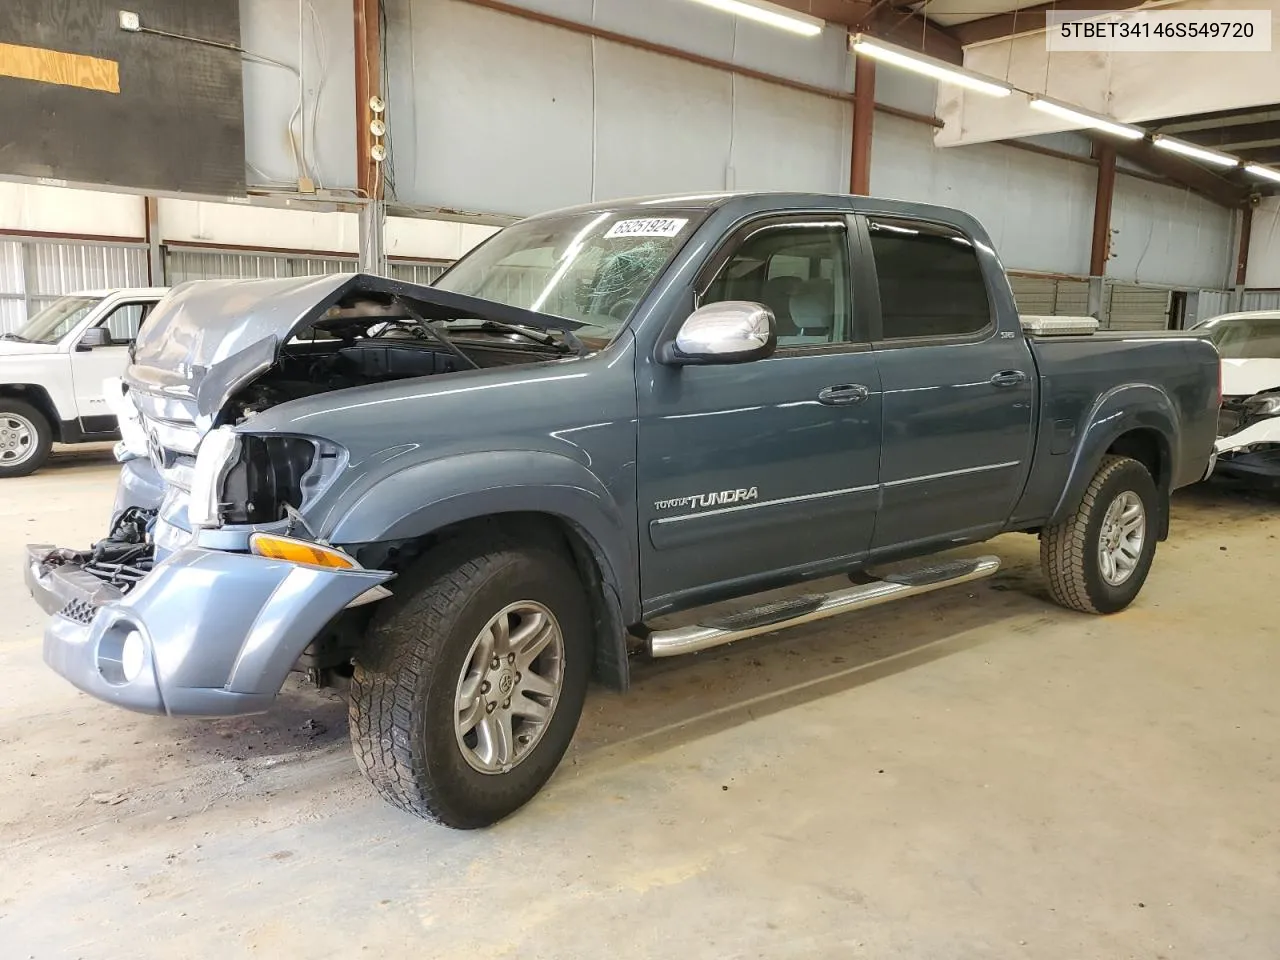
(864, 105)
(368, 84)
(1101, 248)
(1242, 256)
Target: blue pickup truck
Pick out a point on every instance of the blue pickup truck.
(468, 499)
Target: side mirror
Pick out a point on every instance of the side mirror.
(734, 331)
(95, 337)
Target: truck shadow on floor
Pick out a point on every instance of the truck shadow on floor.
(685, 698)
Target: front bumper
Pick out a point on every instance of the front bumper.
(1260, 467)
(221, 630)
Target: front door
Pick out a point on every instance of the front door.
(89, 368)
(749, 470)
(958, 392)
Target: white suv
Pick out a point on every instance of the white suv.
(52, 371)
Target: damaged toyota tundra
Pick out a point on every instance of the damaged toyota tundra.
(467, 500)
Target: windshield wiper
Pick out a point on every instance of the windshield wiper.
(13, 336)
(437, 335)
(545, 338)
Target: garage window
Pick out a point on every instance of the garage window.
(931, 282)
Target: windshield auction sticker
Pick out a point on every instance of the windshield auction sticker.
(1159, 31)
(648, 227)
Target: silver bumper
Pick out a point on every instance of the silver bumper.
(221, 630)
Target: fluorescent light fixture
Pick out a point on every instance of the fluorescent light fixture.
(1085, 119)
(1195, 152)
(929, 66)
(771, 14)
(1260, 171)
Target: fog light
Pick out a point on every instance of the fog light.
(133, 656)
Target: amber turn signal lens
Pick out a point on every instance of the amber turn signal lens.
(299, 551)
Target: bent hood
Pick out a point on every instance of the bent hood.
(208, 338)
(1244, 378)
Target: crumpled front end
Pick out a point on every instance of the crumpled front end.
(200, 633)
(1248, 446)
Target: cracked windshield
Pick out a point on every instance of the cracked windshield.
(594, 268)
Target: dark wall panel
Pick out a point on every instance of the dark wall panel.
(177, 123)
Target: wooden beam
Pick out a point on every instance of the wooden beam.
(1027, 19)
(368, 45)
(864, 105)
(55, 66)
(1185, 172)
(1242, 255)
(1100, 251)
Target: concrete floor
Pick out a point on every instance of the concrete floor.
(975, 774)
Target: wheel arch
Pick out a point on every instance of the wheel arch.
(1137, 421)
(391, 525)
(38, 397)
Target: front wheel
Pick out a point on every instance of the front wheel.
(472, 680)
(25, 438)
(1098, 558)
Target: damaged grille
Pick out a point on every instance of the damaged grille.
(172, 437)
(81, 611)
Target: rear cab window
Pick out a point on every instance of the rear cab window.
(930, 281)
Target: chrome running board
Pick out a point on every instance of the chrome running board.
(797, 610)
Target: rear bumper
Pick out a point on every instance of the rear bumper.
(220, 631)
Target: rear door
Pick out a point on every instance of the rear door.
(958, 391)
(750, 470)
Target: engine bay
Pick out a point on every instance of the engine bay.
(367, 343)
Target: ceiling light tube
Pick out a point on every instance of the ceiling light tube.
(929, 66)
(1260, 171)
(771, 14)
(1085, 119)
(1195, 151)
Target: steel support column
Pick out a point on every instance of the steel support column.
(864, 107)
(155, 252)
(1100, 249)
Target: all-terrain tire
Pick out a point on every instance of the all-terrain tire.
(1069, 550)
(403, 692)
(26, 437)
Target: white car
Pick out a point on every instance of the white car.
(1248, 446)
(53, 369)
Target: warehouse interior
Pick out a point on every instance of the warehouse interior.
(972, 773)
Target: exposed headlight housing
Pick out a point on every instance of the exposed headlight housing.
(1263, 405)
(215, 457)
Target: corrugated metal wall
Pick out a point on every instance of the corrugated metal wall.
(186, 263)
(1131, 307)
(423, 273)
(1261, 300)
(1211, 303)
(33, 272)
(1050, 296)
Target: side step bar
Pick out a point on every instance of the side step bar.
(797, 610)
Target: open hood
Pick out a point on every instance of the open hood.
(1244, 378)
(208, 338)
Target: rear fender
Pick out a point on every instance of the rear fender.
(1118, 411)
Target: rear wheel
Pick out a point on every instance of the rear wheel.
(25, 438)
(1097, 559)
(472, 680)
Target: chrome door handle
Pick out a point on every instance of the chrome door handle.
(1009, 378)
(842, 393)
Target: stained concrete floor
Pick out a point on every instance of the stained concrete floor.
(975, 774)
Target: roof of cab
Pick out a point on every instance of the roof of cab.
(122, 292)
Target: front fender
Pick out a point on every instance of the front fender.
(1118, 411)
(423, 497)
